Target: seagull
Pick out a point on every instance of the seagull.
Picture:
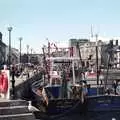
(32, 108)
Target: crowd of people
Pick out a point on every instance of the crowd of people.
(19, 71)
(114, 89)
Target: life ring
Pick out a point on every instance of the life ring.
(3, 83)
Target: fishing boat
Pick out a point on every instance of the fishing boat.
(59, 93)
(103, 100)
(58, 96)
(55, 95)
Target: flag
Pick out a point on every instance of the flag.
(45, 95)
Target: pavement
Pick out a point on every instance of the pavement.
(20, 79)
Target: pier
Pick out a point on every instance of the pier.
(17, 108)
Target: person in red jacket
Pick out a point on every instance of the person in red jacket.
(3, 83)
(0, 80)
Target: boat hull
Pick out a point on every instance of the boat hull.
(97, 107)
(102, 107)
(59, 106)
(103, 103)
(64, 106)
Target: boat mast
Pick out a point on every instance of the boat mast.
(110, 53)
(107, 71)
(49, 62)
(80, 57)
(73, 70)
(64, 85)
(45, 63)
(97, 68)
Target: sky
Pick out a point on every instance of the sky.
(38, 21)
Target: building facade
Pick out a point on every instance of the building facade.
(14, 55)
(2, 51)
(87, 50)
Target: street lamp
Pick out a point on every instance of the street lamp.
(9, 60)
(31, 54)
(27, 53)
(20, 39)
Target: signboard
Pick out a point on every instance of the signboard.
(4, 84)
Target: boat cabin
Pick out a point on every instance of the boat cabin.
(61, 85)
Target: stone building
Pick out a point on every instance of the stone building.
(87, 50)
(2, 51)
(88, 53)
(32, 58)
(14, 55)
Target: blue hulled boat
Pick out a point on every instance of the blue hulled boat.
(58, 94)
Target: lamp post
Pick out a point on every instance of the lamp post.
(20, 39)
(9, 59)
(30, 60)
(11, 69)
(27, 53)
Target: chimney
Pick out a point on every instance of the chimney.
(0, 36)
